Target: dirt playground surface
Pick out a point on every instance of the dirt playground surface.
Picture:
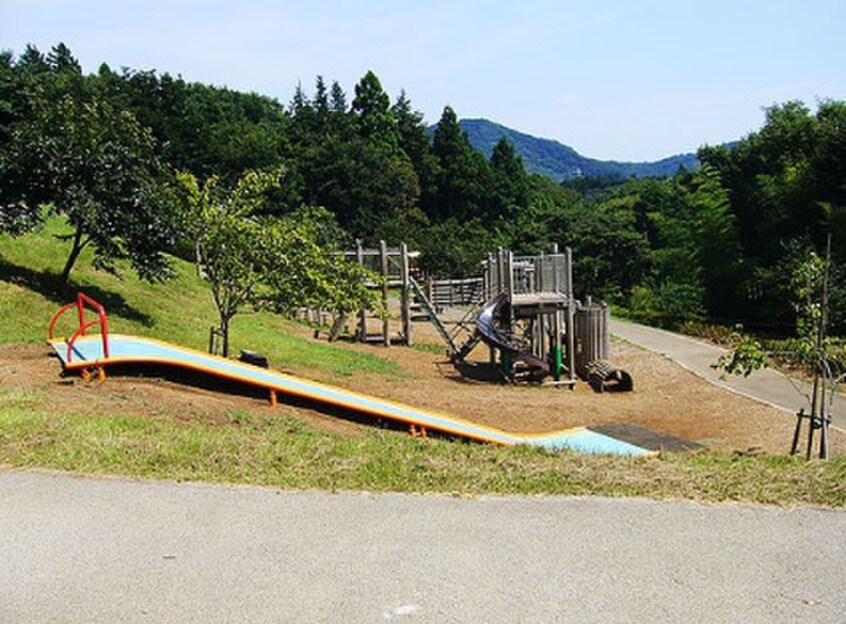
(667, 398)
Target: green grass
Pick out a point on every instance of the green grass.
(428, 347)
(179, 310)
(283, 452)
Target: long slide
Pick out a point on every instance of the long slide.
(84, 352)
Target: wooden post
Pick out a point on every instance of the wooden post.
(539, 264)
(500, 271)
(571, 313)
(542, 341)
(362, 314)
(556, 345)
(405, 272)
(556, 277)
(509, 285)
(819, 417)
(488, 277)
(386, 328)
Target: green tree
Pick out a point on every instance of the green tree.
(511, 184)
(272, 263)
(717, 255)
(454, 248)
(372, 108)
(231, 251)
(465, 178)
(337, 98)
(777, 181)
(96, 166)
(417, 145)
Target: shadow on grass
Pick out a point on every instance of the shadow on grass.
(50, 285)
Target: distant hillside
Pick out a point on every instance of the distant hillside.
(561, 162)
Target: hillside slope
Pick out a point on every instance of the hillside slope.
(179, 310)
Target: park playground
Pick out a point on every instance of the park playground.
(437, 388)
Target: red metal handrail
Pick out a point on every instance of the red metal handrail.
(81, 300)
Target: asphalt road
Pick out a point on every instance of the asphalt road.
(697, 356)
(112, 550)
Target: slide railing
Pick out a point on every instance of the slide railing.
(83, 300)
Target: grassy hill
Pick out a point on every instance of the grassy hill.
(561, 162)
(179, 310)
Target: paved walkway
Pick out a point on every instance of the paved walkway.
(697, 356)
(116, 550)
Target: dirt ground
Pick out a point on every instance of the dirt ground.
(667, 398)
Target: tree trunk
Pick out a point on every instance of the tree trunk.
(224, 334)
(78, 246)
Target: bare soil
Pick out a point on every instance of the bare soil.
(666, 398)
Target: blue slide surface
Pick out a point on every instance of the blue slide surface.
(87, 352)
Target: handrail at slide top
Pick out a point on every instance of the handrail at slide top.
(56, 317)
(81, 300)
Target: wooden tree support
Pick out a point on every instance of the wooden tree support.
(815, 423)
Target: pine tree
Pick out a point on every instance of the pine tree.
(511, 184)
(465, 180)
(337, 98)
(371, 106)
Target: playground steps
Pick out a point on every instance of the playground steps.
(432, 317)
(418, 313)
(466, 347)
(374, 338)
(466, 326)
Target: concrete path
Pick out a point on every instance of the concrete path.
(697, 356)
(114, 550)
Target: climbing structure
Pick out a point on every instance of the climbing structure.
(394, 265)
(528, 319)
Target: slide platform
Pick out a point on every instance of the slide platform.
(87, 351)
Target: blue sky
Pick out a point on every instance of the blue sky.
(629, 80)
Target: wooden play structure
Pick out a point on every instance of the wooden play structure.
(528, 321)
(396, 267)
(534, 326)
(522, 307)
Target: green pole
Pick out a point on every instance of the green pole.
(506, 364)
(558, 362)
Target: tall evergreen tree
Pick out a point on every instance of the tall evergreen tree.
(321, 97)
(717, 243)
(337, 98)
(417, 144)
(371, 107)
(465, 178)
(511, 184)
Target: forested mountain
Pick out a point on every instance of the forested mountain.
(561, 162)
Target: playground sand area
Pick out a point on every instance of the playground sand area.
(667, 399)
